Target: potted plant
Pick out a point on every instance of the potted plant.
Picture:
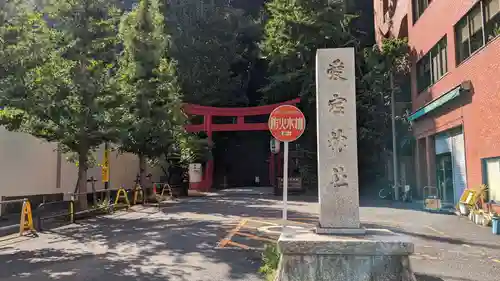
(495, 224)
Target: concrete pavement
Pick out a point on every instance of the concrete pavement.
(141, 245)
(182, 242)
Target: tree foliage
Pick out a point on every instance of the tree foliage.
(208, 43)
(148, 83)
(293, 32)
(63, 91)
(376, 65)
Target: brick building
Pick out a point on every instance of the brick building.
(455, 89)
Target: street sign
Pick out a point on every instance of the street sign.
(105, 166)
(275, 146)
(286, 123)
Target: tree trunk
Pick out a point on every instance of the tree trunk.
(142, 170)
(82, 179)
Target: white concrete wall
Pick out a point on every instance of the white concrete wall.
(28, 166)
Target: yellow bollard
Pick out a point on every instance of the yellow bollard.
(137, 191)
(26, 222)
(72, 209)
(121, 192)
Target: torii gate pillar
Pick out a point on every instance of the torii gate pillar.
(208, 112)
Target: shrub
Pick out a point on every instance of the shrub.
(270, 260)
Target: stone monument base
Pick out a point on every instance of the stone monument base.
(380, 255)
(340, 231)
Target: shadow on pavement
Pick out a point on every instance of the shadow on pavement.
(176, 243)
(264, 206)
(424, 277)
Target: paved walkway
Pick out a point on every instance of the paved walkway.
(175, 244)
(199, 240)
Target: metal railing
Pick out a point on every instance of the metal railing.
(103, 201)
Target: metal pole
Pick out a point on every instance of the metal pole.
(106, 184)
(285, 184)
(394, 139)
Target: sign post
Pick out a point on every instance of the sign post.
(286, 123)
(105, 166)
(275, 146)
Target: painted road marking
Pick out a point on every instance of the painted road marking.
(436, 231)
(230, 235)
(13, 239)
(263, 222)
(239, 245)
(303, 219)
(495, 260)
(244, 223)
(255, 237)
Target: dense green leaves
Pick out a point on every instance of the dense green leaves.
(58, 86)
(148, 83)
(81, 73)
(208, 43)
(293, 33)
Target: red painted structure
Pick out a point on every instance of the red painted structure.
(208, 112)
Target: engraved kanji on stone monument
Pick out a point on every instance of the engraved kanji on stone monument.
(335, 70)
(337, 104)
(339, 176)
(337, 141)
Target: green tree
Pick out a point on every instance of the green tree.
(376, 66)
(148, 82)
(293, 32)
(207, 42)
(25, 41)
(67, 97)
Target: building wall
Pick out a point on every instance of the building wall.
(29, 166)
(390, 18)
(480, 115)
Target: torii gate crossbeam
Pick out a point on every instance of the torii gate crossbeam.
(208, 112)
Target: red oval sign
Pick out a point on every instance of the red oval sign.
(286, 123)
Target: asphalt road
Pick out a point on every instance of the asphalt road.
(182, 242)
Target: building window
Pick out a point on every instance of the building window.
(491, 172)
(418, 8)
(479, 26)
(491, 19)
(432, 66)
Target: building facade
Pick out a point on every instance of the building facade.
(455, 89)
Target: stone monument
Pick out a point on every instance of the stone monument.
(340, 249)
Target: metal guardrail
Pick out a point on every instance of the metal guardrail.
(103, 200)
(64, 213)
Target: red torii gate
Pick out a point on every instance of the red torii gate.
(240, 113)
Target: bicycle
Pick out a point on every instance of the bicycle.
(406, 195)
(389, 193)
